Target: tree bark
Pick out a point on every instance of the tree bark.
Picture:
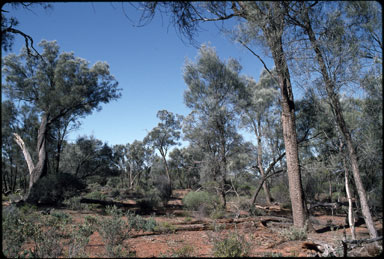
(38, 170)
(267, 193)
(336, 107)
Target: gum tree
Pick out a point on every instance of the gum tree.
(57, 85)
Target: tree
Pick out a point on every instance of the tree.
(8, 30)
(255, 105)
(212, 85)
(264, 20)
(334, 51)
(56, 85)
(163, 136)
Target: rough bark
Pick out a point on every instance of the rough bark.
(336, 107)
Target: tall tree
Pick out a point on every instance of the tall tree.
(56, 85)
(212, 85)
(335, 48)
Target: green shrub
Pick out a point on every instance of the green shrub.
(55, 188)
(202, 201)
(183, 252)
(14, 231)
(113, 231)
(79, 238)
(139, 223)
(294, 233)
(165, 227)
(96, 195)
(217, 213)
(73, 203)
(233, 245)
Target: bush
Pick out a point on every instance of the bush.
(294, 233)
(79, 238)
(201, 201)
(233, 245)
(114, 231)
(150, 201)
(14, 231)
(74, 203)
(139, 223)
(55, 188)
(96, 195)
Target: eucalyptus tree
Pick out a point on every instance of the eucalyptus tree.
(56, 85)
(255, 104)
(212, 85)
(132, 161)
(335, 48)
(89, 160)
(165, 135)
(262, 20)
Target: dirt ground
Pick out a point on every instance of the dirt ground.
(197, 233)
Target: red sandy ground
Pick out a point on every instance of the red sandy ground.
(264, 240)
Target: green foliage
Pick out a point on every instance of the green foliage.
(14, 227)
(217, 213)
(150, 201)
(294, 233)
(73, 203)
(114, 231)
(202, 201)
(182, 252)
(165, 227)
(97, 195)
(79, 238)
(233, 245)
(54, 188)
(139, 223)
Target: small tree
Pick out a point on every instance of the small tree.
(163, 136)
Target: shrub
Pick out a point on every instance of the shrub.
(14, 229)
(74, 203)
(165, 227)
(139, 223)
(114, 231)
(202, 201)
(231, 246)
(79, 238)
(96, 195)
(185, 251)
(54, 188)
(217, 213)
(151, 200)
(294, 233)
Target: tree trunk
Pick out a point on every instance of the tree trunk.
(268, 198)
(290, 137)
(336, 107)
(38, 170)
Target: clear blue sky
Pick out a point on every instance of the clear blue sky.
(146, 61)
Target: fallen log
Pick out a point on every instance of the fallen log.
(107, 203)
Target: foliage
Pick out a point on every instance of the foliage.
(232, 245)
(139, 223)
(54, 188)
(201, 200)
(165, 227)
(14, 226)
(182, 252)
(114, 231)
(294, 233)
(97, 195)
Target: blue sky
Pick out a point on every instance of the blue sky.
(146, 61)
